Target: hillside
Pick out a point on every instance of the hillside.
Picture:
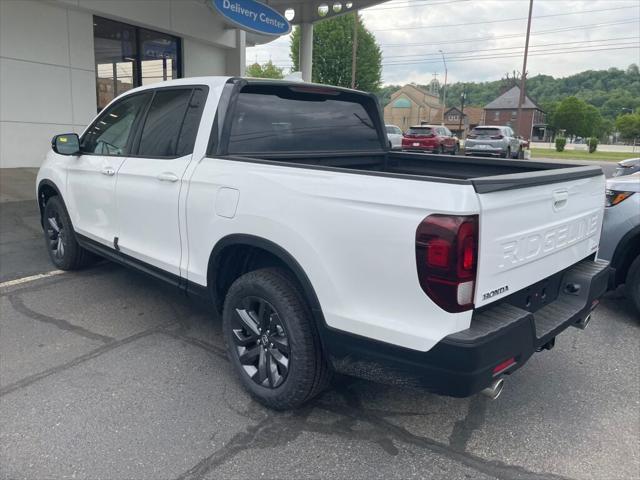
(610, 90)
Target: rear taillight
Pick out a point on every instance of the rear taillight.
(446, 257)
(497, 137)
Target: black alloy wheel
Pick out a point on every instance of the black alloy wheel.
(62, 246)
(261, 342)
(56, 234)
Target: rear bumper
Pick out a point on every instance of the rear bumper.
(484, 151)
(462, 364)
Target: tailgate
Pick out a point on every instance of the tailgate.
(530, 233)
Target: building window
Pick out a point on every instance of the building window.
(127, 56)
(514, 113)
(452, 118)
(496, 115)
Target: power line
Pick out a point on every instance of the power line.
(517, 47)
(513, 55)
(620, 40)
(500, 20)
(515, 35)
(505, 56)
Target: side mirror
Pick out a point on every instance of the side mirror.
(66, 144)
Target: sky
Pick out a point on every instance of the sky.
(482, 40)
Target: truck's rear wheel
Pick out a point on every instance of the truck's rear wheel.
(272, 340)
(60, 238)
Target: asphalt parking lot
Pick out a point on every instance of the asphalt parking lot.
(106, 374)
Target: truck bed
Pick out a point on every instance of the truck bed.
(485, 174)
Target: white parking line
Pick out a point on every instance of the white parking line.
(19, 281)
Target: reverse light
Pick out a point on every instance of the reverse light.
(446, 258)
(614, 197)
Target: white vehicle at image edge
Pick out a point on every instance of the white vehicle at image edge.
(394, 134)
(325, 251)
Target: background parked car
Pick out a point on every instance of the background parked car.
(394, 134)
(627, 167)
(430, 138)
(493, 140)
(620, 241)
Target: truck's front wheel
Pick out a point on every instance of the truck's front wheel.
(272, 340)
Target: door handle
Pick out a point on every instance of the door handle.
(167, 177)
(108, 171)
(560, 199)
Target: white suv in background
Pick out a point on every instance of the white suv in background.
(394, 134)
(493, 140)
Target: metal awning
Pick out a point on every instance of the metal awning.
(310, 11)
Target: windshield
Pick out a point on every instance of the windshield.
(394, 130)
(420, 131)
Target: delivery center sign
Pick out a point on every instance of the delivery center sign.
(253, 16)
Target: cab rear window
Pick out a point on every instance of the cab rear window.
(274, 118)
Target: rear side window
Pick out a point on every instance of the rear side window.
(272, 119)
(163, 123)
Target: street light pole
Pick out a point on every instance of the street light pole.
(523, 76)
(444, 89)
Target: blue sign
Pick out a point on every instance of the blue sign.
(253, 16)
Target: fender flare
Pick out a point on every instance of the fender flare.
(623, 247)
(48, 183)
(274, 249)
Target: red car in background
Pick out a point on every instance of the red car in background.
(430, 138)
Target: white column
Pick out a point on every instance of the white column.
(306, 50)
(236, 57)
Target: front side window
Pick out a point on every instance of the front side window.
(127, 56)
(111, 132)
(270, 119)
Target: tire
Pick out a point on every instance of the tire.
(506, 154)
(441, 149)
(632, 284)
(455, 149)
(60, 238)
(282, 367)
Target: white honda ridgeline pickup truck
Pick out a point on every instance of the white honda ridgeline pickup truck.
(324, 250)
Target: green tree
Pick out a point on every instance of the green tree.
(332, 53)
(569, 116)
(266, 70)
(591, 122)
(629, 126)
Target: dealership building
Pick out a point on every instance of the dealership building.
(61, 61)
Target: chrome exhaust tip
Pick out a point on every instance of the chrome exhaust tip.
(582, 324)
(494, 390)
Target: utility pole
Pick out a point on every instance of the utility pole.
(523, 76)
(354, 52)
(462, 98)
(444, 89)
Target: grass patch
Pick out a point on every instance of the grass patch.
(581, 155)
